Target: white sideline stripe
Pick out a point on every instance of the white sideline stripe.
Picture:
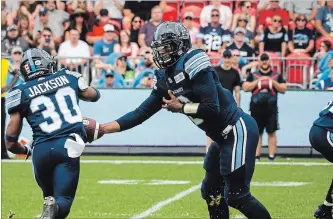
(181, 162)
(161, 204)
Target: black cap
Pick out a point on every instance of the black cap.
(264, 57)
(104, 12)
(109, 73)
(227, 54)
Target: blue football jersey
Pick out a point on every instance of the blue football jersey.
(50, 105)
(325, 119)
(179, 79)
(214, 37)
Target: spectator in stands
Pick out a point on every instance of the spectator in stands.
(115, 8)
(98, 29)
(264, 85)
(239, 43)
(56, 17)
(135, 29)
(3, 24)
(242, 22)
(147, 31)
(300, 38)
(324, 20)
(266, 17)
(125, 46)
(327, 84)
(229, 77)
(85, 5)
(307, 8)
(13, 39)
(105, 46)
(213, 38)
(44, 20)
(75, 50)
(140, 8)
(324, 47)
(109, 81)
(78, 20)
(274, 38)
(47, 43)
(30, 9)
(266, 4)
(324, 66)
(14, 67)
(147, 80)
(25, 30)
(226, 14)
(245, 7)
(237, 61)
(188, 23)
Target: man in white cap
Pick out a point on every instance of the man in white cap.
(104, 46)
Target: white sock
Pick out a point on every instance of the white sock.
(328, 204)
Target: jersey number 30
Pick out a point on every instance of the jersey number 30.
(50, 112)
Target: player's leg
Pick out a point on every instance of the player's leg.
(65, 179)
(212, 187)
(271, 127)
(322, 141)
(260, 118)
(237, 158)
(43, 168)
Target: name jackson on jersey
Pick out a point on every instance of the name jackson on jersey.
(46, 86)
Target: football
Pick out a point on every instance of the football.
(93, 129)
(265, 84)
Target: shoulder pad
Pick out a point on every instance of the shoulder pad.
(73, 73)
(196, 61)
(13, 99)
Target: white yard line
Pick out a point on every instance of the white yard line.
(162, 204)
(290, 163)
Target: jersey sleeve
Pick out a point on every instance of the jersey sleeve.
(196, 61)
(14, 100)
(81, 82)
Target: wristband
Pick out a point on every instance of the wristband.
(11, 139)
(98, 95)
(190, 108)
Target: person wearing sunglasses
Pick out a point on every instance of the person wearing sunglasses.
(300, 38)
(13, 39)
(135, 29)
(307, 8)
(213, 38)
(266, 16)
(225, 17)
(47, 43)
(245, 11)
(188, 23)
(275, 38)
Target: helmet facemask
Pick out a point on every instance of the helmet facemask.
(166, 53)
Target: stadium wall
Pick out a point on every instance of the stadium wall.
(168, 133)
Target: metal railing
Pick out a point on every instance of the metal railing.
(298, 72)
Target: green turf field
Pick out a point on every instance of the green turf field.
(146, 187)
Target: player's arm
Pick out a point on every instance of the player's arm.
(148, 108)
(13, 132)
(280, 85)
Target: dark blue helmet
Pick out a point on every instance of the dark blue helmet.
(36, 63)
(171, 41)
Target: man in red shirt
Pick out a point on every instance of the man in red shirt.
(265, 17)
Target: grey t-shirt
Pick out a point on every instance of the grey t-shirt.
(302, 7)
(325, 15)
(149, 30)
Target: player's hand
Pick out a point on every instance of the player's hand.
(28, 150)
(172, 105)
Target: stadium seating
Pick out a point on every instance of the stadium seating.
(298, 69)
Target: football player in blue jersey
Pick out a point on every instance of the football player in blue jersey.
(187, 83)
(49, 102)
(321, 139)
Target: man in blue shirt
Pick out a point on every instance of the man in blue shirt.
(104, 47)
(326, 83)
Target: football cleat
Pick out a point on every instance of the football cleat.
(323, 212)
(50, 209)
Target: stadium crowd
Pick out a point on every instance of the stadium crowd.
(108, 40)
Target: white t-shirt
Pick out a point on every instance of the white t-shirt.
(67, 50)
(114, 12)
(225, 15)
